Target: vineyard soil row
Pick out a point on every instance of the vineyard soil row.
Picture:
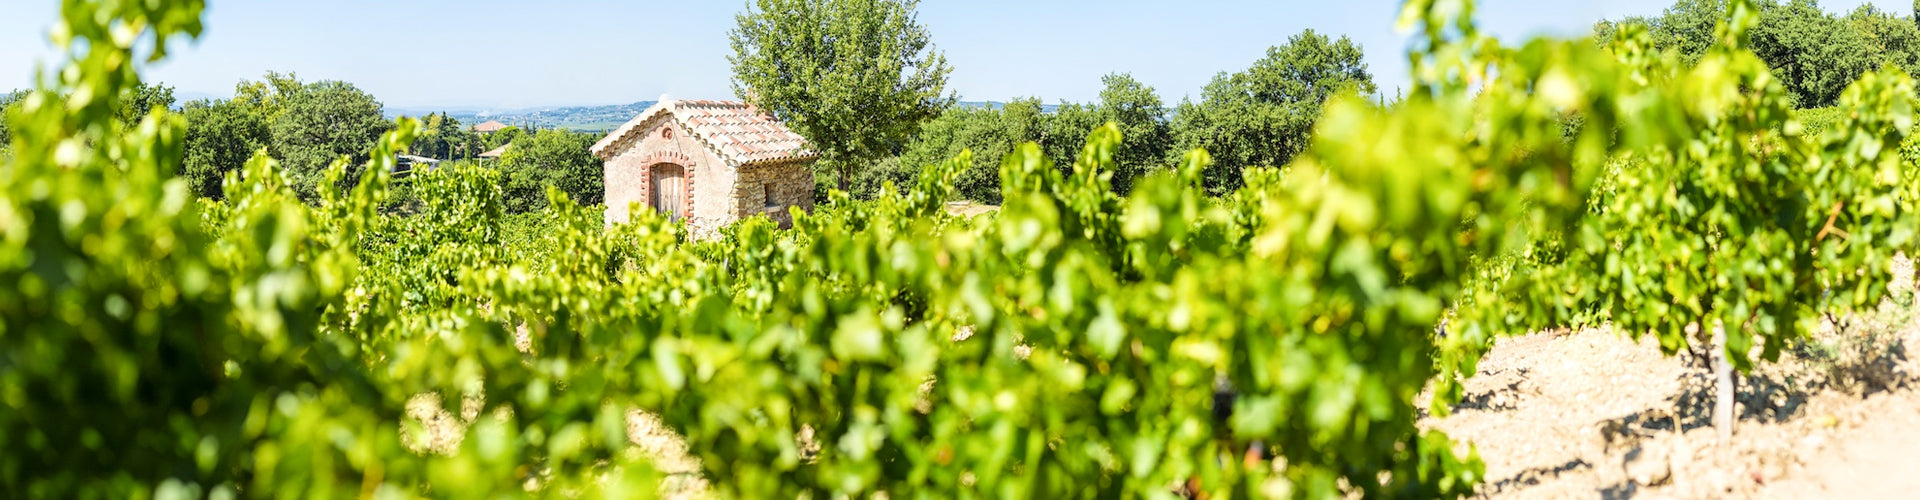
(1591, 414)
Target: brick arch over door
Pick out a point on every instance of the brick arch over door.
(654, 159)
(672, 189)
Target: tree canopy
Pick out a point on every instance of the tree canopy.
(444, 137)
(221, 137)
(1263, 116)
(1895, 39)
(1061, 133)
(141, 100)
(502, 137)
(855, 77)
(325, 121)
(551, 157)
(1814, 52)
(990, 133)
(268, 97)
(1136, 109)
(6, 103)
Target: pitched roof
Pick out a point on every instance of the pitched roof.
(496, 152)
(738, 132)
(489, 126)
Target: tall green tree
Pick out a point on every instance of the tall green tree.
(1264, 116)
(7, 101)
(1135, 108)
(269, 96)
(1688, 26)
(1814, 53)
(444, 137)
(1894, 38)
(141, 100)
(326, 121)
(855, 77)
(221, 137)
(990, 133)
(551, 157)
(1066, 130)
(502, 137)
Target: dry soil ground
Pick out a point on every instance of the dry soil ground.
(968, 208)
(1592, 414)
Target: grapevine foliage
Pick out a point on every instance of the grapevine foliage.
(1758, 221)
(1069, 345)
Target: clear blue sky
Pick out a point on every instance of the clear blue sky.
(497, 53)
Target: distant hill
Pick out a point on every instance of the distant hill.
(185, 96)
(1044, 108)
(580, 118)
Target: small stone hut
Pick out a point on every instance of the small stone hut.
(708, 163)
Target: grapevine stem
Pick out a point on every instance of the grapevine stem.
(1723, 385)
(1828, 228)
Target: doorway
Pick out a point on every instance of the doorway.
(669, 190)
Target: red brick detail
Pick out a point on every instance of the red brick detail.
(656, 158)
(674, 157)
(687, 197)
(646, 186)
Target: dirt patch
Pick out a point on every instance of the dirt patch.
(431, 428)
(668, 452)
(1592, 414)
(968, 208)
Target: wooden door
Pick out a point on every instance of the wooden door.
(669, 189)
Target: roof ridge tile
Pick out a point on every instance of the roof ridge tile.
(735, 130)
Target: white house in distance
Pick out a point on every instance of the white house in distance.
(708, 163)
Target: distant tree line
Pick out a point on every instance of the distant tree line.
(306, 126)
(861, 80)
(881, 113)
(1260, 116)
(1815, 53)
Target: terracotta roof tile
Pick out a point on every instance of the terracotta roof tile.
(733, 129)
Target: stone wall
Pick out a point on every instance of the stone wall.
(788, 184)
